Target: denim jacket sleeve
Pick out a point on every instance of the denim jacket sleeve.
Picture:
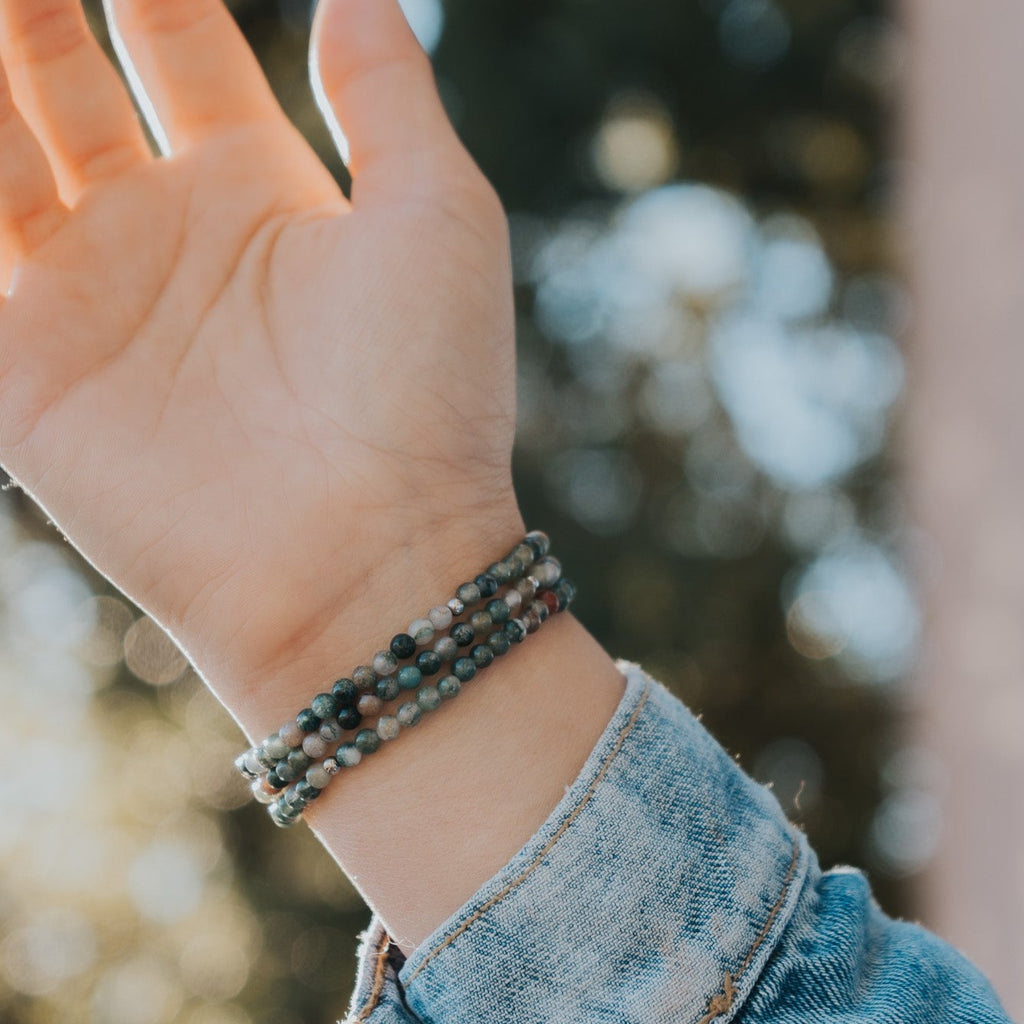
(667, 887)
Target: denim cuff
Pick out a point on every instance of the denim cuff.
(656, 891)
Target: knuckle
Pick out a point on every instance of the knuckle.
(51, 30)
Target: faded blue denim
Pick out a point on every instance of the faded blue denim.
(667, 886)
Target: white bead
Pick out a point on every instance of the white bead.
(388, 727)
(318, 777)
(314, 745)
(440, 617)
(421, 631)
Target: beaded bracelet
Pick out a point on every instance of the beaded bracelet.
(534, 580)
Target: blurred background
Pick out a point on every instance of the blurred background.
(713, 350)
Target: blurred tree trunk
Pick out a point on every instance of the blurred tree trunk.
(965, 142)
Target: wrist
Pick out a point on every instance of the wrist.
(322, 613)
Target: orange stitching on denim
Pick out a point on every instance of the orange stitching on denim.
(722, 1001)
(584, 800)
(378, 981)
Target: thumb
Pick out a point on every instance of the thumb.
(376, 90)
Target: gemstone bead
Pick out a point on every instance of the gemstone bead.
(540, 543)
(265, 759)
(449, 687)
(514, 600)
(499, 643)
(422, 631)
(388, 727)
(305, 791)
(527, 587)
(280, 816)
(487, 585)
(367, 741)
(387, 689)
(481, 623)
(482, 655)
(403, 646)
(428, 663)
(515, 630)
(349, 718)
(548, 571)
(349, 755)
(385, 663)
(370, 704)
(314, 746)
(276, 747)
(298, 761)
(532, 619)
(524, 556)
(346, 692)
(409, 677)
(566, 594)
(446, 648)
(274, 780)
(408, 714)
(365, 678)
(307, 720)
(291, 734)
(498, 610)
(462, 633)
(325, 705)
(550, 601)
(501, 571)
(440, 617)
(243, 762)
(429, 698)
(469, 594)
(331, 766)
(464, 669)
(541, 610)
(317, 777)
(456, 607)
(331, 731)
(285, 773)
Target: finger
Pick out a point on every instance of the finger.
(376, 89)
(69, 92)
(190, 67)
(30, 208)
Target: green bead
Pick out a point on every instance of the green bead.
(428, 698)
(367, 741)
(498, 610)
(539, 542)
(482, 655)
(481, 623)
(499, 643)
(346, 692)
(325, 705)
(409, 677)
(388, 688)
(408, 714)
(449, 687)
(403, 646)
(464, 669)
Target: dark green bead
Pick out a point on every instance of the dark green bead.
(486, 584)
(299, 760)
(274, 779)
(515, 630)
(286, 773)
(499, 643)
(428, 663)
(365, 679)
(498, 610)
(464, 669)
(367, 741)
(306, 791)
(403, 646)
(481, 623)
(501, 571)
(349, 718)
(409, 677)
(325, 706)
(565, 592)
(346, 692)
(482, 655)
(387, 689)
(307, 720)
(293, 799)
(539, 542)
(462, 633)
(468, 594)
(449, 687)
(429, 697)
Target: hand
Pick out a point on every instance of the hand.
(246, 401)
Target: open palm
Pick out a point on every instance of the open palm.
(232, 390)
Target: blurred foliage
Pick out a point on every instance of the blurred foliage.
(699, 197)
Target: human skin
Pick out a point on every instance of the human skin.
(280, 421)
